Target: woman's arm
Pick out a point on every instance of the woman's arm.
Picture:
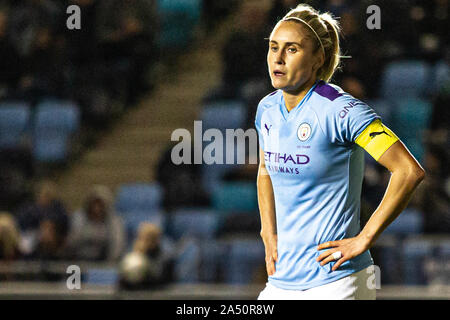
(406, 175)
(266, 203)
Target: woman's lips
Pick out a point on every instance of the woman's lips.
(278, 73)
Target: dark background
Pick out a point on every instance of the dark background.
(85, 151)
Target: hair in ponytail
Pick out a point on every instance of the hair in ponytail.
(325, 29)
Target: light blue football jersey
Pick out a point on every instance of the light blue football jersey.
(316, 171)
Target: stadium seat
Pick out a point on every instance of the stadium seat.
(223, 115)
(101, 276)
(212, 253)
(139, 197)
(244, 259)
(444, 248)
(178, 20)
(235, 197)
(197, 223)
(213, 174)
(409, 112)
(187, 262)
(199, 261)
(410, 221)
(54, 124)
(404, 78)
(14, 118)
(441, 76)
(415, 252)
(438, 267)
(135, 218)
(411, 117)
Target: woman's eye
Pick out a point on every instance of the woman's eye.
(273, 49)
(292, 50)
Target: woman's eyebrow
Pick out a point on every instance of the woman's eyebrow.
(287, 43)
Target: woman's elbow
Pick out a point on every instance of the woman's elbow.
(421, 174)
(411, 174)
(417, 174)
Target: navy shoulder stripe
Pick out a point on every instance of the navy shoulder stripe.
(327, 91)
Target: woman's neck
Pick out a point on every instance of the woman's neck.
(292, 99)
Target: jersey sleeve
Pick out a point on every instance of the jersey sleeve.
(376, 138)
(349, 118)
(258, 125)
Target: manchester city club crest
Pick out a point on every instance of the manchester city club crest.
(304, 131)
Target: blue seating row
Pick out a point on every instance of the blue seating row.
(49, 127)
(413, 78)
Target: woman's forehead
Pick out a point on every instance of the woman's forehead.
(289, 31)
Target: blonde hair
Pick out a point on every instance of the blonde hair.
(9, 235)
(325, 29)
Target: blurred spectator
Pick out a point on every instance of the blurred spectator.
(361, 48)
(51, 242)
(215, 11)
(97, 232)
(240, 66)
(149, 264)
(83, 43)
(244, 53)
(431, 20)
(41, 78)
(98, 84)
(28, 17)
(32, 26)
(9, 238)
(431, 197)
(354, 87)
(181, 183)
(16, 170)
(9, 58)
(127, 32)
(440, 119)
(43, 224)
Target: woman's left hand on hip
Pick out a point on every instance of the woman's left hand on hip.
(349, 248)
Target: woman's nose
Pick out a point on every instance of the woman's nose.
(279, 59)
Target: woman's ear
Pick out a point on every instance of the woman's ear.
(319, 61)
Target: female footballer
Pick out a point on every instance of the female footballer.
(312, 137)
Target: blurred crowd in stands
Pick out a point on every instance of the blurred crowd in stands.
(43, 57)
(400, 70)
(412, 42)
(109, 64)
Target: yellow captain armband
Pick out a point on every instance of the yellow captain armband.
(376, 139)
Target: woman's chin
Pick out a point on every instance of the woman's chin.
(277, 84)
